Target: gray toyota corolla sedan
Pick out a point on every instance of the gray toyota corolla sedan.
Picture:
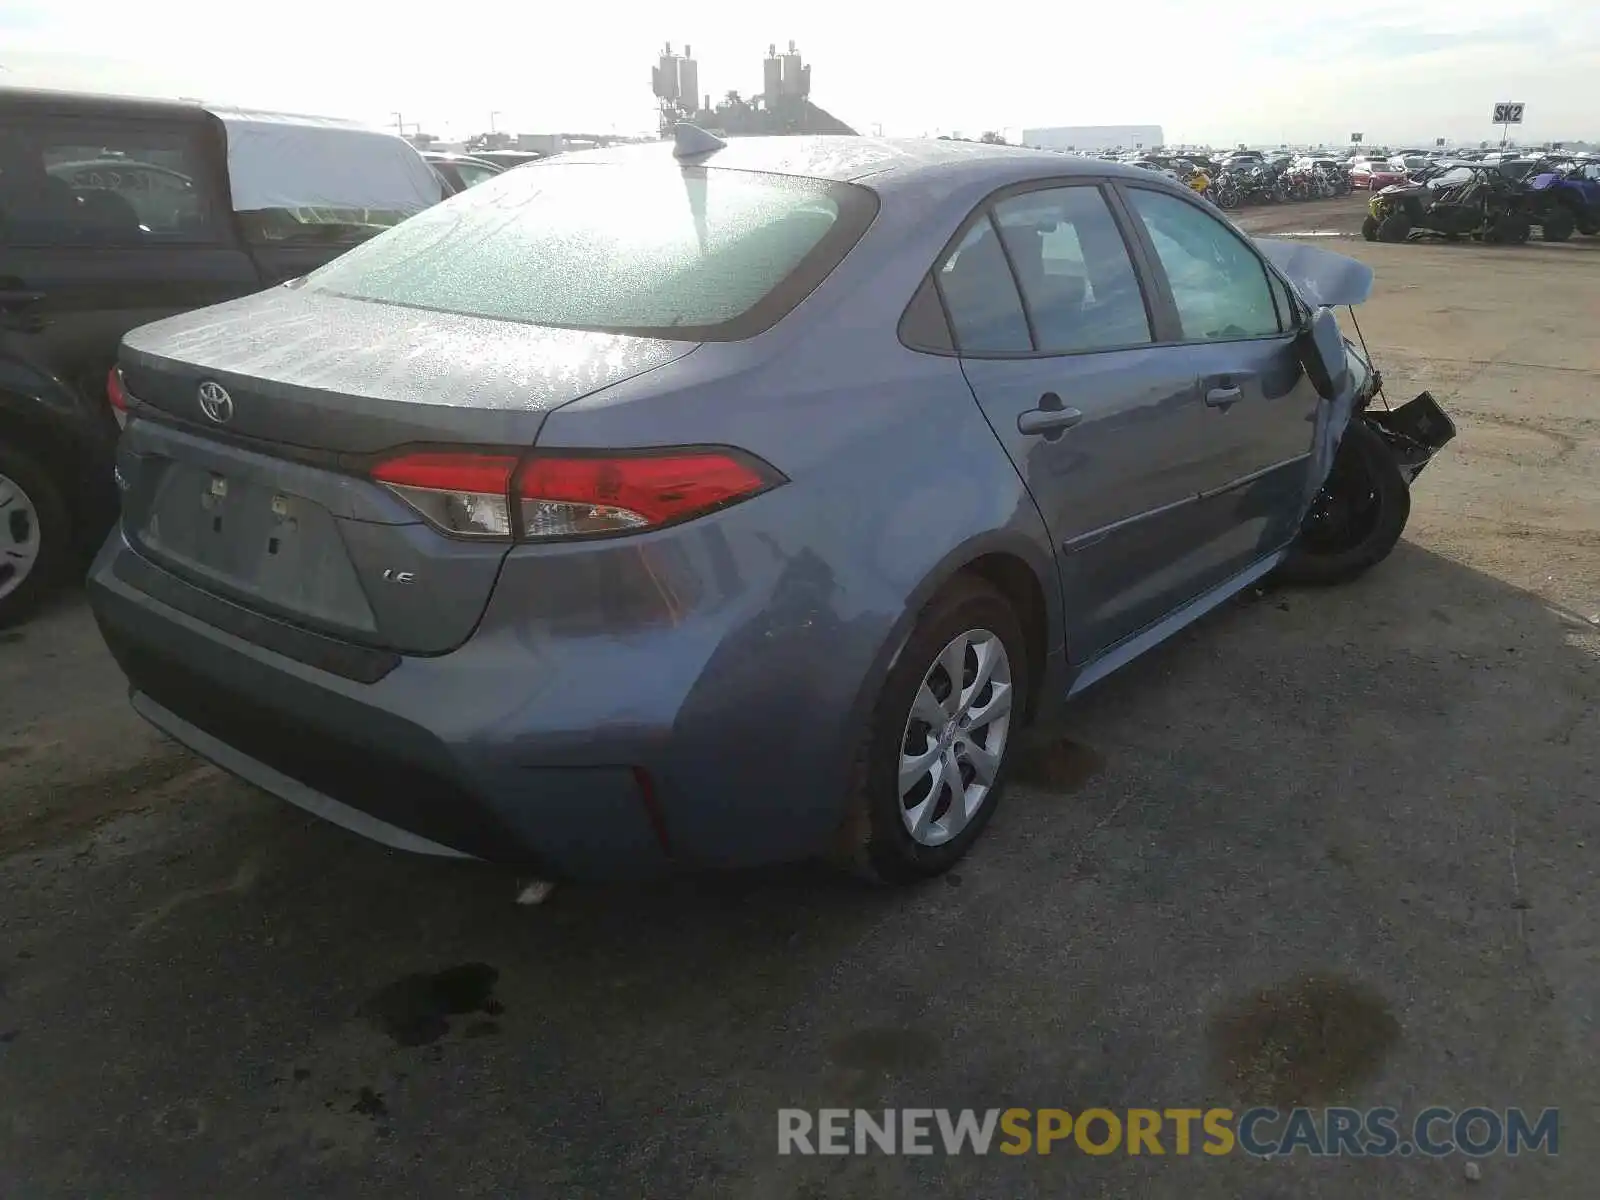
(717, 504)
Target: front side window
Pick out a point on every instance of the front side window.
(654, 249)
(1219, 284)
(97, 183)
(1074, 271)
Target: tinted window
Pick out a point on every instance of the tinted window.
(103, 183)
(654, 248)
(1074, 271)
(472, 174)
(1288, 309)
(1218, 283)
(923, 326)
(981, 296)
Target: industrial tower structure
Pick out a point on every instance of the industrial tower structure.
(783, 106)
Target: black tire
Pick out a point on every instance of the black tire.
(1396, 227)
(1369, 228)
(1357, 517)
(1557, 226)
(54, 533)
(1509, 230)
(875, 843)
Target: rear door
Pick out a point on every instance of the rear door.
(1058, 344)
(106, 224)
(1232, 321)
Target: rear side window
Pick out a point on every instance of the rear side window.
(655, 249)
(104, 183)
(981, 295)
(1073, 267)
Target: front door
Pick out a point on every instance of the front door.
(1235, 324)
(1056, 339)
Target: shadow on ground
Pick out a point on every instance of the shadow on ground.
(1365, 805)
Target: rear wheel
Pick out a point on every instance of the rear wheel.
(1369, 228)
(931, 766)
(35, 534)
(1557, 226)
(1358, 515)
(1396, 227)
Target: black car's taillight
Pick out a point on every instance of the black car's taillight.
(117, 396)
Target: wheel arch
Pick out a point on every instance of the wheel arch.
(1019, 568)
(73, 455)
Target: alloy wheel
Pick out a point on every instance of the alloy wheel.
(955, 737)
(19, 536)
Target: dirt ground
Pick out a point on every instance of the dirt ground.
(1330, 845)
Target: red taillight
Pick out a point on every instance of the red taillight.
(464, 494)
(563, 495)
(117, 394)
(584, 495)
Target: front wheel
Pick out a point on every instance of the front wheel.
(1369, 228)
(931, 766)
(1357, 516)
(35, 534)
(1396, 227)
(1509, 230)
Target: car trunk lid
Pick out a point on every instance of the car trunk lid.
(308, 369)
(263, 493)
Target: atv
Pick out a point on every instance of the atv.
(1564, 198)
(1466, 201)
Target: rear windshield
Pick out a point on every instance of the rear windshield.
(652, 249)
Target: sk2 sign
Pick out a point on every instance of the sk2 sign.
(1508, 114)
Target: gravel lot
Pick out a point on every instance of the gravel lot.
(1381, 798)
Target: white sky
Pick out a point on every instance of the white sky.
(1219, 72)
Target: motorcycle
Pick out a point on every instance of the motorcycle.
(1224, 190)
(1263, 185)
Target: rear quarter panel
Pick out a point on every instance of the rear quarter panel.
(807, 592)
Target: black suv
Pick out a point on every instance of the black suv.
(116, 212)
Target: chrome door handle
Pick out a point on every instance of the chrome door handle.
(1222, 397)
(1047, 420)
(1051, 418)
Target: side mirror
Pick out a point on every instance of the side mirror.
(1320, 348)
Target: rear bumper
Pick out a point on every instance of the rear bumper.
(619, 745)
(359, 756)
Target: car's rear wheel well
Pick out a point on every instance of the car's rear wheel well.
(60, 456)
(38, 440)
(1016, 581)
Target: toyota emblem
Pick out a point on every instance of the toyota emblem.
(215, 402)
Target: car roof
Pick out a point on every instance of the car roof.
(890, 163)
(452, 156)
(48, 102)
(43, 102)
